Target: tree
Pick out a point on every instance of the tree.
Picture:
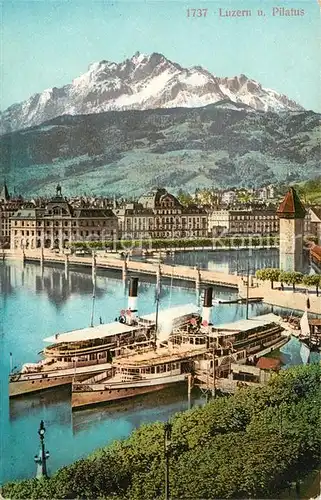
(312, 280)
(233, 447)
(185, 198)
(291, 278)
(270, 273)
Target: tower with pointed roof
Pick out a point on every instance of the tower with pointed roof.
(4, 193)
(291, 213)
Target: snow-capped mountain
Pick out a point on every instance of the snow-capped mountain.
(141, 82)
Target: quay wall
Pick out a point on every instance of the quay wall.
(288, 299)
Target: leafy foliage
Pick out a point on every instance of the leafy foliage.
(271, 274)
(167, 243)
(312, 280)
(250, 445)
(291, 278)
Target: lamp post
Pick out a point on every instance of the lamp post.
(167, 443)
(43, 455)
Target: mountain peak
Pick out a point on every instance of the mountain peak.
(142, 82)
(138, 57)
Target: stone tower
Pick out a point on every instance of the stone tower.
(291, 213)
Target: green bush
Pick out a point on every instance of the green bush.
(250, 445)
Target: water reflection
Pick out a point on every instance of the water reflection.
(234, 261)
(36, 306)
(54, 282)
(24, 405)
(142, 409)
(59, 287)
(291, 354)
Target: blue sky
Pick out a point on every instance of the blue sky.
(47, 43)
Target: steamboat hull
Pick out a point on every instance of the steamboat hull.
(21, 384)
(93, 396)
(19, 388)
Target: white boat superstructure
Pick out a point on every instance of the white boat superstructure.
(94, 347)
(200, 348)
(138, 374)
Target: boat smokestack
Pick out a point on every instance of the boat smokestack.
(207, 305)
(132, 295)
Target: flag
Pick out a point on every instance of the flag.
(204, 323)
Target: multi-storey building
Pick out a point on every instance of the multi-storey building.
(312, 225)
(159, 214)
(243, 222)
(8, 207)
(58, 224)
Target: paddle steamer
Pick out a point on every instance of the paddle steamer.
(197, 348)
(79, 354)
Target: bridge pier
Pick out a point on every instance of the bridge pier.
(124, 271)
(42, 259)
(66, 266)
(93, 267)
(158, 277)
(198, 279)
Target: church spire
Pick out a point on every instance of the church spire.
(4, 193)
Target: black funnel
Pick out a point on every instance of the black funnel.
(208, 297)
(133, 287)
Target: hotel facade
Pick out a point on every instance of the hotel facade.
(58, 224)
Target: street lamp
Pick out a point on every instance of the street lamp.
(43, 455)
(167, 451)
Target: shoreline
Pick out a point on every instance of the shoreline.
(286, 299)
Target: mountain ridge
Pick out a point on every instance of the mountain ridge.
(141, 82)
(221, 145)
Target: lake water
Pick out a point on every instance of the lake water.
(34, 305)
(234, 261)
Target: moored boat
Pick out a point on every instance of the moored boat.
(138, 374)
(198, 348)
(76, 355)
